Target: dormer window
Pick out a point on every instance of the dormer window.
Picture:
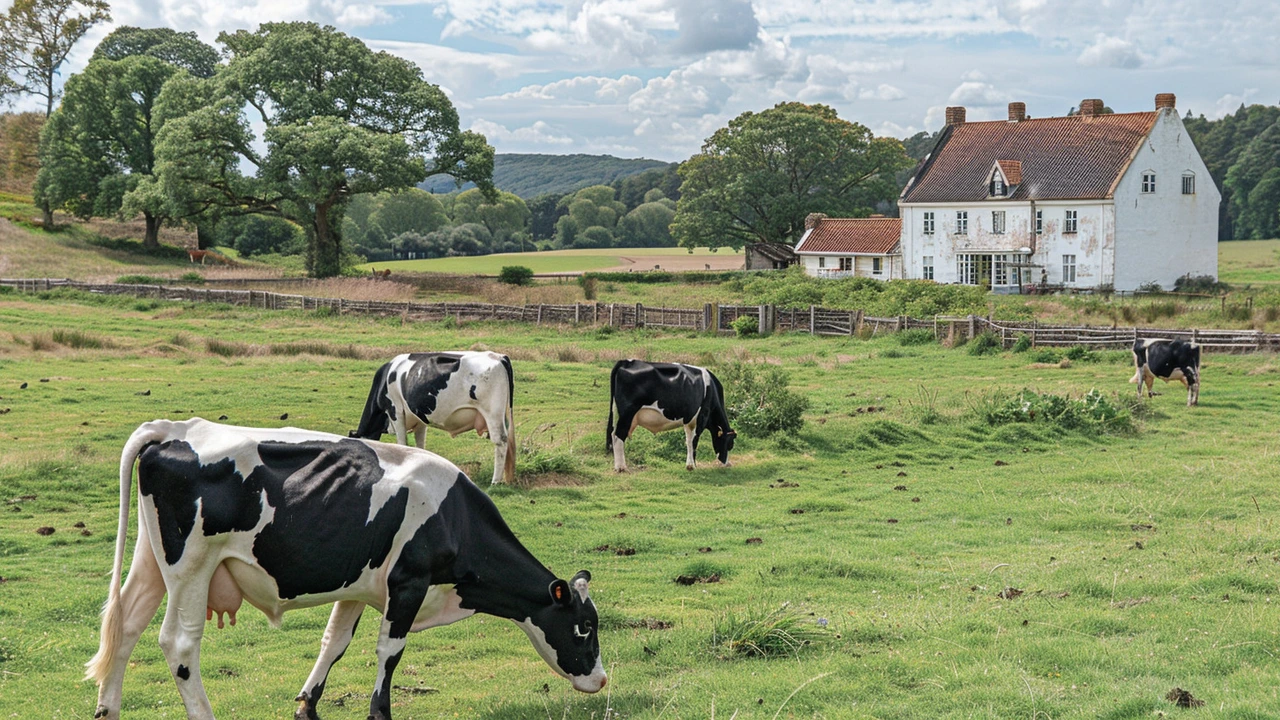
(1004, 178)
(997, 185)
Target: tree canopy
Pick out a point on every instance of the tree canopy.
(179, 49)
(35, 38)
(756, 179)
(340, 120)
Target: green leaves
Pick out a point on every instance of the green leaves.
(756, 179)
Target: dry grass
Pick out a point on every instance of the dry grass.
(360, 289)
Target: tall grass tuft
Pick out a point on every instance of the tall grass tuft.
(227, 348)
(42, 342)
(350, 351)
(916, 336)
(79, 340)
(772, 633)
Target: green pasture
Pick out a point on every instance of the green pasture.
(952, 568)
(1245, 262)
(552, 261)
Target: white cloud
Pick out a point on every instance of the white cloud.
(1107, 51)
(972, 92)
(539, 133)
(586, 89)
(883, 91)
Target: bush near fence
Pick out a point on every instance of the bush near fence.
(710, 317)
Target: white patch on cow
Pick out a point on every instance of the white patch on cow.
(539, 640)
(442, 606)
(652, 418)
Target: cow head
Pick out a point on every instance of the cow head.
(722, 441)
(565, 632)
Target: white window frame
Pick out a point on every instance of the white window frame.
(1039, 222)
(928, 223)
(1068, 269)
(926, 267)
(962, 222)
(877, 266)
(997, 222)
(1071, 221)
(1189, 183)
(997, 183)
(846, 264)
(1148, 182)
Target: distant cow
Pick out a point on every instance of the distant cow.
(1167, 360)
(665, 396)
(195, 255)
(288, 518)
(453, 391)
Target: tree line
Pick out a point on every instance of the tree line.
(1242, 151)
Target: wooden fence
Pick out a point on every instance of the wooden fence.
(720, 318)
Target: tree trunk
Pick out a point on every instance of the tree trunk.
(327, 252)
(204, 235)
(151, 240)
(46, 216)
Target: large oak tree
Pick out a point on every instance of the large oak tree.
(340, 120)
(756, 179)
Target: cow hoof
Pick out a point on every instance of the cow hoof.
(305, 713)
(101, 712)
(689, 468)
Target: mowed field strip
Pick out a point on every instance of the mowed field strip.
(576, 261)
(897, 523)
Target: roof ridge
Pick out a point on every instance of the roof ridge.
(1058, 117)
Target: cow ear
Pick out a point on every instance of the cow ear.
(719, 433)
(581, 582)
(560, 592)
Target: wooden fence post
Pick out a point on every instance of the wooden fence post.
(577, 314)
(1195, 335)
(706, 317)
(853, 323)
(640, 315)
(973, 325)
(861, 318)
(611, 307)
(1034, 326)
(812, 312)
(539, 322)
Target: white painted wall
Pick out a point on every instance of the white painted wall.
(890, 265)
(1163, 235)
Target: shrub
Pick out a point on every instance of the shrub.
(758, 401)
(772, 633)
(1045, 355)
(745, 325)
(916, 336)
(1200, 284)
(192, 277)
(588, 285)
(1080, 353)
(516, 275)
(140, 280)
(1152, 288)
(1022, 344)
(1091, 411)
(985, 343)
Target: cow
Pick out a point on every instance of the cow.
(1167, 360)
(200, 255)
(665, 396)
(454, 391)
(288, 518)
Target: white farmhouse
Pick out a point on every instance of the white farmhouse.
(851, 247)
(1085, 201)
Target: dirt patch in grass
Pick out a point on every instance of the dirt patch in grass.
(552, 480)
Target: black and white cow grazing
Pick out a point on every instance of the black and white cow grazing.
(665, 396)
(290, 518)
(453, 391)
(1167, 360)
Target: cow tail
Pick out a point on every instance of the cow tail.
(509, 467)
(99, 666)
(374, 421)
(608, 428)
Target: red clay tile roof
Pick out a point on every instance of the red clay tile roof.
(1077, 157)
(874, 236)
(1012, 170)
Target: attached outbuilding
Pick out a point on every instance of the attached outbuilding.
(851, 247)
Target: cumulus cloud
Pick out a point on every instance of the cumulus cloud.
(707, 25)
(539, 133)
(973, 92)
(587, 89)
(1107, 51)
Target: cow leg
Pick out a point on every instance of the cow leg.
(401, 431)
(403, 602)
(180, 635)
(690, 445)
(619, 455)
(420, 437)
(337, 636)
(1151, 381)
(1192, 380)
(139, 598)
(622, 431)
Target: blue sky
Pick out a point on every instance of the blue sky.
(654, 78)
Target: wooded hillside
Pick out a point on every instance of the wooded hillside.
(531, 175)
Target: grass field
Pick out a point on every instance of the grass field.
(1146, 561)
(1245, 262)
(564, 261)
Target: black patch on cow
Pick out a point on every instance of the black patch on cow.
(473, 392)
(318, 540)
(427, 375)
(183, 673)
(378, 408)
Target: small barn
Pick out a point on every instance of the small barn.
(851, 247)
(770, 256)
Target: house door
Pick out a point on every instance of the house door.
(983, 263)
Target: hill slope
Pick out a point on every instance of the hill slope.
(530, 175)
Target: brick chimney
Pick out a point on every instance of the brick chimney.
(1017, 111)
(811, 220)
(1091, 106)
(955, 116)
(1166, 100)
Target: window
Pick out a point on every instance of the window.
(1072, 221)
(926, 267)
(997, 222)
(967, 269)
(928, 223)
(962, 222)
(1039, 222)
(1148, 182)
(846, 264)
(822, 261)
(997, 186)
(875, 266)
(1189, 184)
(1068, 268)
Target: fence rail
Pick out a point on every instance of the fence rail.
(711, 316)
